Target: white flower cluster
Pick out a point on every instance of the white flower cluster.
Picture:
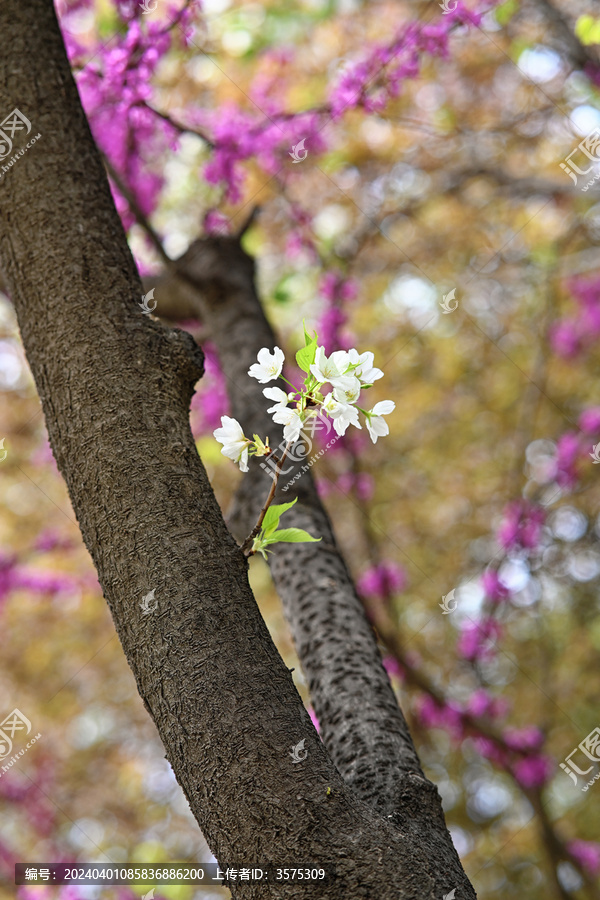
(348, 373)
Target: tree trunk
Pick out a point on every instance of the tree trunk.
(115, 388)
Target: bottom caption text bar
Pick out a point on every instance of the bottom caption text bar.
(173, 873)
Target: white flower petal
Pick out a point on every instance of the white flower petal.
(231, 430)
(275, 393)
(383, 408)
(269, 365)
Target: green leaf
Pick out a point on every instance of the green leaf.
(306, 356)
(290, 536)
(586, 30)
(283, 292)
(308, 339)
(273, 514)
(506, 11)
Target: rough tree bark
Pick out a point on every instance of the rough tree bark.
(361, 723)
(115, 389)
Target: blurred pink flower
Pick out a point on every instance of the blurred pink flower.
(490, 750)
(533, 771)
(481, 703)
(494, 589)
(432, 715)
(393, 667)
(587, 853)
(564, 338)
(333, 286)
(521, 527)
(383, 580)
(329, 329)
(216, 223)
(529, 738)
(568, 449)
(476, 639)
(589, 420)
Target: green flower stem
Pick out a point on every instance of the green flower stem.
(247, 545)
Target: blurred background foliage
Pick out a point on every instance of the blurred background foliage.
(455, 184)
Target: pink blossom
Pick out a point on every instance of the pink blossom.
(565, 339)
(494, 589)
(379, 76)
(433, 715)
(114, 91)
(364, 486)
(216, 223)
(324, 487)
(393, 667)
(587, 854)
(481, 703)
(51, 540)
(568, 449)
(529, 738)
(533, 771)
(328, 329)
(44, 582)
(383, 580)
(210, 402)
(522, 525)
(589, 420)
(573, 334)
(333, 286)
(477, 639)
(491, 750)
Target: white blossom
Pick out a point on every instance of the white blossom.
(235, 443)
(365, 370)
(351, 393)
(343, 414)
(280, 397)
(291, 419)
(376, 425)
(269, 365)
(332, 369)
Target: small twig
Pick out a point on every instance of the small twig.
(137, 212)
(178, 126)
(246, 546)
(171, 265)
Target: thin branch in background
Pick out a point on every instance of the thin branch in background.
(137, 212)
(178, 126)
